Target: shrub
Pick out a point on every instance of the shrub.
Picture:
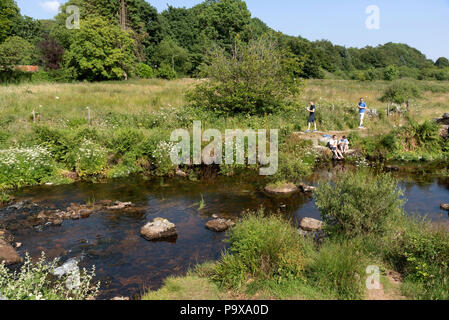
(144, 71)
(391, 73)
(165, 71)
(125, 140)
(162, 160)
(91, 159)
(262, 247)
(421, 254)
(256, 78)
(35, 281)
(400, 91)
(359, 203)
(54, 140)
(25, 166)
(338, 269)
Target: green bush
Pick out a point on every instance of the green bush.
(359, 203)
(124, 140)
(421, 254)
(91, 159)
(35, 281)
(144, 71)
(338, 269)
(54, 140)
(257, 78)
(262, 247)
(400, 91)
(165, 71)
(25, 166)
(391, 73)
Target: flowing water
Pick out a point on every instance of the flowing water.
(127, 265)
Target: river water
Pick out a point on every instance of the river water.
(127, 265)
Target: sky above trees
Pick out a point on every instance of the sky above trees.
(420, 24)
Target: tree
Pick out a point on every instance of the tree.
(52, 53)
(222, 20)
(256, 78)
(28, 29)
(391, 73)
(442, 62)
(168, 52)
(16, 51)
(9, 16)
(100, 51)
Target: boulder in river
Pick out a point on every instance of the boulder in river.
(284, 189)
(158, 229)
(219, 225)
(445, 206)
(8, 254)
(310, 224)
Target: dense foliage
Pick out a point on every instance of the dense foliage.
(255, 78)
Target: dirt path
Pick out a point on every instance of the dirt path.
(392, 292)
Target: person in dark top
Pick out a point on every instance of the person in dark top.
(312, 119)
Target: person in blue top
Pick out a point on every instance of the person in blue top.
(362, 109)
(312, 119)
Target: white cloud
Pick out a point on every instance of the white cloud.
(50, 6)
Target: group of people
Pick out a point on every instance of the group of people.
(338, 146)
(312, 110)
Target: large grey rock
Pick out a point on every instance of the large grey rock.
(158, 229)
(310, 224)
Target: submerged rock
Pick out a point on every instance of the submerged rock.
(120, 299)
(120, 205)
(305, 188)
(8, 254)
(310, 224)
(444, 206)
(286, 189)
(158, 229)
(220, 225)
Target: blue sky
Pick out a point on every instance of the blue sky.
(421, 24)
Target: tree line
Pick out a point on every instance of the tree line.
(124, 38)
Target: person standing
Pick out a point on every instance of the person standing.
(312, 119)
(362, 109)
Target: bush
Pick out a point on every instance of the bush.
(165, 71)
(257, 78)
(124, 140)
(91, 159)
(421, 254)
(338, 269)
(359, 203)
(25, 166)
(144, 71)
(391, 73)
(35, 281)
(400, 91)
(262, 247)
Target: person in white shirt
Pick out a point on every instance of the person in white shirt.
(333, 144)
